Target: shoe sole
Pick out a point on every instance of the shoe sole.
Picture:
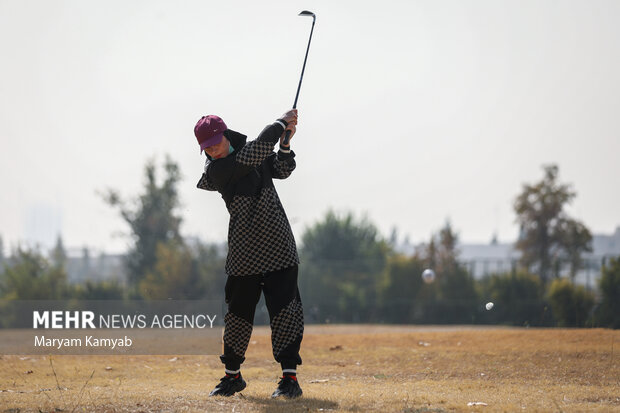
(295, 396)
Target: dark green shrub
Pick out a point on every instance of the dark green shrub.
(571, 304)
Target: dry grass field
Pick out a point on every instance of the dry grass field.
(346, 368)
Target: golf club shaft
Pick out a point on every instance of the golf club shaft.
(288, 132)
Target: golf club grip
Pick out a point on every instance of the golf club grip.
(287, 137)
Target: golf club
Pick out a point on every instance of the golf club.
(303, 13)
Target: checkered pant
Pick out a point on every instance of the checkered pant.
(285, 312)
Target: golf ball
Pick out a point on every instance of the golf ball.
(489, 305)
(428, 275)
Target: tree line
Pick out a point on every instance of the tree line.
(349, 272)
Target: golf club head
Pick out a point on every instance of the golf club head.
(308, 13)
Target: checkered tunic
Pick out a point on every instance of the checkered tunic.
(260, 238)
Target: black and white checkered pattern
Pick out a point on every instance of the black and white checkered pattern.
(254, 152)
(282, 168)
(204, 183)
(287, 326)
(237, 333)
(260, 238)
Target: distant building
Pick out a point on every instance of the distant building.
(485, 259)
(81, 267)
(606, 245)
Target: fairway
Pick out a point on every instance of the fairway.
(346, 368)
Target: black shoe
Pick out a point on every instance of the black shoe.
(228, 386)
(287, 387)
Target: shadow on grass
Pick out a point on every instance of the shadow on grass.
(302, 404)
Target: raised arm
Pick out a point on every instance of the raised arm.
(283, 164)
(256, 151)
(224, 172)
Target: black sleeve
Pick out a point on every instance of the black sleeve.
(255, 152)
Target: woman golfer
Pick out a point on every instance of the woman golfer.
(262, 255)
